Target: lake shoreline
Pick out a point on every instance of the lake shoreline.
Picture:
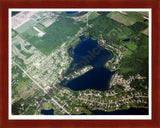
(83, 52)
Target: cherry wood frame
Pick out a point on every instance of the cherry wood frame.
(6, 4)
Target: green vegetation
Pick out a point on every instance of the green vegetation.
(40, 26)
(15, 81)
(101, 24)
(118, 88)
(137, 27)
(59, 32)
(28, 47)
(130, 45)
(27, 55)
(18, 46)
(93, 15)
(47, 105)
(103, 13)
(16, 107)
(14, 33)
(127, 19)
(124, 106)
(26, 95)
(21, 85)
(136, 60)
(30, 32)
(136, 63)
(19, 61)
(26, 26)
(116, 35)
(140, 85)
(21, 105)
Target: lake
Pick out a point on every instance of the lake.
(71, 12)
(47, 112)
(97, 79)
(130, 111)
(88, 52)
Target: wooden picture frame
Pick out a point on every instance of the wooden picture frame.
(4, 105)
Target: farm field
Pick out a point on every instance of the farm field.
(26, 26)
(55, 36)
(129, 18)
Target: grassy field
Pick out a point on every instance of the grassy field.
(56, 34)
(40, 26)
(30, 32)
(102, 24)
(25, 26)
(122, 33)
(93, 15)
(47, 106)
(129, 19)
(130, 45)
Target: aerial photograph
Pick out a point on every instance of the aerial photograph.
(79, 62)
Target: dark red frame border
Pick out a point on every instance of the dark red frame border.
(6, 4)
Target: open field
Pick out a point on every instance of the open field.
(25, 26)
(21, 18)
(56, 34)
(30, 32)
(93, 15)
(127, 19)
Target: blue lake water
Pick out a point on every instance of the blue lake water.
(97, 79)
(47, 112)
(130, 111)
(71, 12)
(145, 20)
(126, 40)
(88, 52)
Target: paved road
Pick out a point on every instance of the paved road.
(41, 88)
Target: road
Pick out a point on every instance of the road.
(41, 88)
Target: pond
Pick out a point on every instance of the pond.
(47, 112)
